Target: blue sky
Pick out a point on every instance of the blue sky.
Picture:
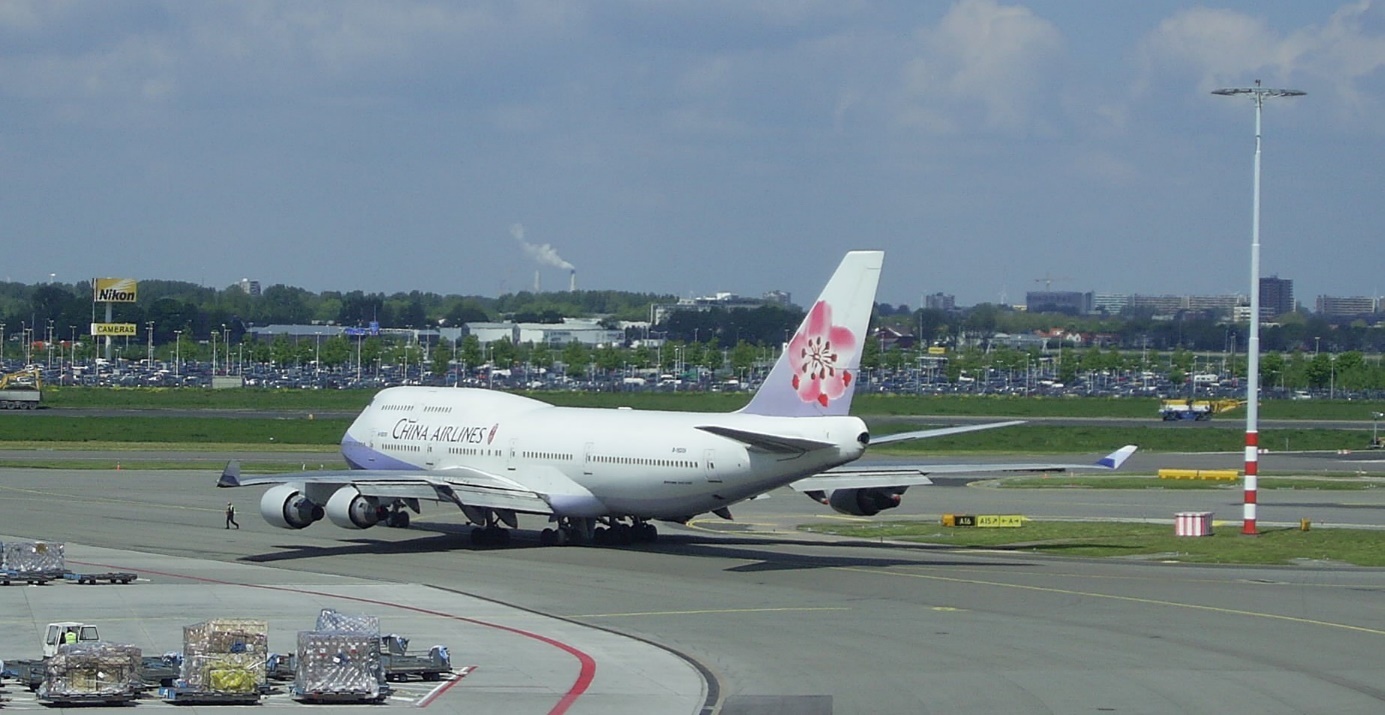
(691, 146)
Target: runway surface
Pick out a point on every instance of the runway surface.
(762, 619)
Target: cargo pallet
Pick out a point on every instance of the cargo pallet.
(108, 577)
(68, 700)
(329, 696)
(32, 579)
(188, 696)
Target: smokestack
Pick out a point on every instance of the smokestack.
(537, 289)
(572, 281)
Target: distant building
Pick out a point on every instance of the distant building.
(1276, 297)
(571, 330)
(1219, 306)
(250, 287)
(1110, 303)
(1059, 301)
(659, 312)
(1158, 305)
(940, 301)
(1347, 307)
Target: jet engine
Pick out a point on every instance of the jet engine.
(865, 502)
(350, 509)
(286, 507)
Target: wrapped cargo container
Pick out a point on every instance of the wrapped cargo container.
(332, 620)
(97, 672)
(225, 656)
(25, 557)
(339, 666)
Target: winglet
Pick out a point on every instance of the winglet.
(816, 374)
(230, 476)
(1115, 459)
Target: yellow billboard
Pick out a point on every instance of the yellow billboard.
(113, 329)
(115, 290)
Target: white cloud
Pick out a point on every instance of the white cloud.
(981, 55)
(1223, 47)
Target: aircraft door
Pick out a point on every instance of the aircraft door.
(587, 458)
(511, 460)
(709, 466)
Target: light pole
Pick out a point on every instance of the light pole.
(150, 329)
(1257, 94)
(177, 356)
(1375, 428)
(2, 345)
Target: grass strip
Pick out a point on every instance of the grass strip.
(1326, 483)
(864, 404)
(212, 467)
(1104, 540)
(218, 430)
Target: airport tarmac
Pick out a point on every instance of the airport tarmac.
(750, 620)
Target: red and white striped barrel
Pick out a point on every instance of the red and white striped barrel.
(1192, 523)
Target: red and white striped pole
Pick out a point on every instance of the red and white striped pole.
(1258, 94)
(1252, 476)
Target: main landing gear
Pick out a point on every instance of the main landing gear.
(395, 515)
(605, 531)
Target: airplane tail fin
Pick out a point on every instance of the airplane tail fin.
(816, 374)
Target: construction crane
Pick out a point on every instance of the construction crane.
(1048, 281)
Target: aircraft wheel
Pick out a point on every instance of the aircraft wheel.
(646, 533)
(478, 536)
(548, 537)
(621, 535)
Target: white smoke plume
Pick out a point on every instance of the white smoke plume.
(544, 254)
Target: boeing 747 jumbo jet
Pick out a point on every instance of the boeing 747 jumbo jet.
(604, 475)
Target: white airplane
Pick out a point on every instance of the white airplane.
(604, 475)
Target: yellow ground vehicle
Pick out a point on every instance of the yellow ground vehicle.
(1172, 410)
(22, 390)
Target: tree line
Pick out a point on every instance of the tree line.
(198, 311)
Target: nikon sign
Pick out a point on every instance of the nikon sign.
(113, 329)
(116, 290)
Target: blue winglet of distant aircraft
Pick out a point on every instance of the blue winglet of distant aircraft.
(230, 476)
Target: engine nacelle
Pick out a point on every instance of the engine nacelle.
(865, 502)
(286, 507)
(349, 509)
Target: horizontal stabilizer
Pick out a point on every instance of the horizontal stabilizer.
(779, 444)
(939, 432)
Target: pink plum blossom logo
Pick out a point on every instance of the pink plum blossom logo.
(819, 355)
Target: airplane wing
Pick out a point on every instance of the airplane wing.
(463, 487)
(918, 475)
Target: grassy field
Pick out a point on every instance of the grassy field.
(302, 429)
(1145, 541)
(83, 432)
(1337, 482)
(865, 405)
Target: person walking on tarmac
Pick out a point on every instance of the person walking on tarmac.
(231, 516)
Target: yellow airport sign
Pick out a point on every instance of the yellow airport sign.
(115, 290)
(113, 329)
(992, 521)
